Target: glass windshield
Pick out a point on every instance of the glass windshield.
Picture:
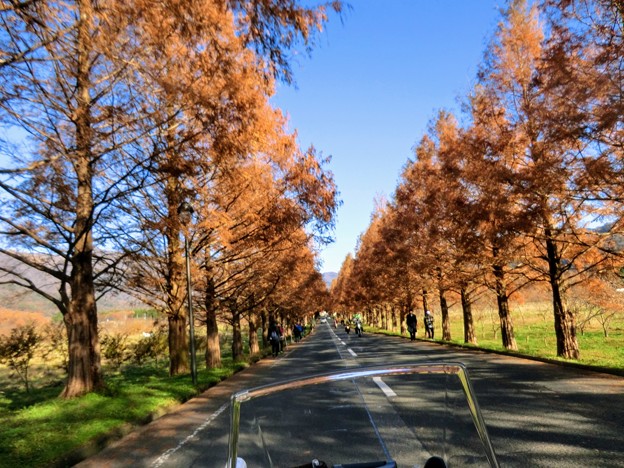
(406, 414)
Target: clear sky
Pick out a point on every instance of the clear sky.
(370, 87)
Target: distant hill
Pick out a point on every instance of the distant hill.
(328, 277)
(16, 298)
(21, 299)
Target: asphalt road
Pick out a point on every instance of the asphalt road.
(538, 414)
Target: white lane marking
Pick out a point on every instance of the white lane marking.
(384, 387)
(163, 458)
(352, 352)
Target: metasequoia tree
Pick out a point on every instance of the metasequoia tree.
(264, 211)
(272, 284)
(301, 291)
(339, 291)
(520, 73)
(489, 148)
(304, 194)
(514, 197)
(73, 92)
(369, 282)
(423, 224)
(398, 254)
(377, 280)
(68, 117)
(251, 256)
(423, 238)
(436, 190)
(458, 214)
(195, 92)
(598, 300)
(392, 262)
(407, 250)
(594, 31)
(219, 118)
(247, 214)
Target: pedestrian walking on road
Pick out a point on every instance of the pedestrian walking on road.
(274, 338)
(298, 332)
(411, 322)
(429, 324)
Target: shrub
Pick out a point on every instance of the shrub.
(115, 349)
(55, 337)
(18, 349)
(151, 346)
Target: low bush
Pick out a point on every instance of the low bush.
(18, 349)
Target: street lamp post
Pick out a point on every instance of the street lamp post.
(185, 212)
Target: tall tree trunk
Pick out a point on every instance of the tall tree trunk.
(176, 280)
(446, 321)
(237, 337)
(80, 319)
(176, 295)
(425, 301)
(502, 299)
(84, 364)
(404, 311)
(178, 345)
(264, 323)
(469, 332)
(254, 347)
(213, 347)
(565, 323)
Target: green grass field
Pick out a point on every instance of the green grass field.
(38, 429)
(535, 335)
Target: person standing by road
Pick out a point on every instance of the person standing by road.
(411, 322)
(429, 324)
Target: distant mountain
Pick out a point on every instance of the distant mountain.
(328, 277)
(603, 229)
(18, 298)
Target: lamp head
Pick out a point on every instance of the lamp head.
(185, 212)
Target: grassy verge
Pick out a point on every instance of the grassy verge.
(39, 429)
(536, 338)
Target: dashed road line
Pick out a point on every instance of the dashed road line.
(163, 458)
(384, 387)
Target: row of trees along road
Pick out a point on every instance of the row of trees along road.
(510, 196)
(113, 114)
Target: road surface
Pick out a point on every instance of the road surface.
(538, 414)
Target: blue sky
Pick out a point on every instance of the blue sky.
(370, 87)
